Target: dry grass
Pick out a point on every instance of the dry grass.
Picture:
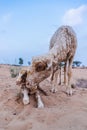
(14, 71)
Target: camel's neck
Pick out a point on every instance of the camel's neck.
(52, 55)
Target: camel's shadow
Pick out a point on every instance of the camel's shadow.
(82, 83)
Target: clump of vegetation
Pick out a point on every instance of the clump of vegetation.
(29, 63)
(14, 71)
(21, 61)
(76, 63)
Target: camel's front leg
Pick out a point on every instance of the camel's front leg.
(39, 101)
(55, 82)
(25, 92)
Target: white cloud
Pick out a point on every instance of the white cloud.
(75, 16)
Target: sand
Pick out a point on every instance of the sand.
(61, 112)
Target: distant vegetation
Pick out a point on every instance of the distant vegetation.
(14, 71)
(29, 62)
(20, 61)
(76, 63)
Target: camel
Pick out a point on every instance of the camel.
(63, 46)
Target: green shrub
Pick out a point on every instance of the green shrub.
(14, 71)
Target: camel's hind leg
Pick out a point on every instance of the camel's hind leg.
(59, 75)
(69, 89)
(65, 73)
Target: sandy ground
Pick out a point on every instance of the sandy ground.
(61, 112)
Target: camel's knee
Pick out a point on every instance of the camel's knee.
(69, 74)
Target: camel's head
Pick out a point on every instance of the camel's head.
(34, 74)
(37, 72)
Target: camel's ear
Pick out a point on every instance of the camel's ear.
(24, 73)
(40, 66)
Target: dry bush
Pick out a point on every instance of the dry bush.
(14, 71)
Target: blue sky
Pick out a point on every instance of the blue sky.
(26, 27)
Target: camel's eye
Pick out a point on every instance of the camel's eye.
(40, 66)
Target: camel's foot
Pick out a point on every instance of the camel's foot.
(69, 91)
(54, 90)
